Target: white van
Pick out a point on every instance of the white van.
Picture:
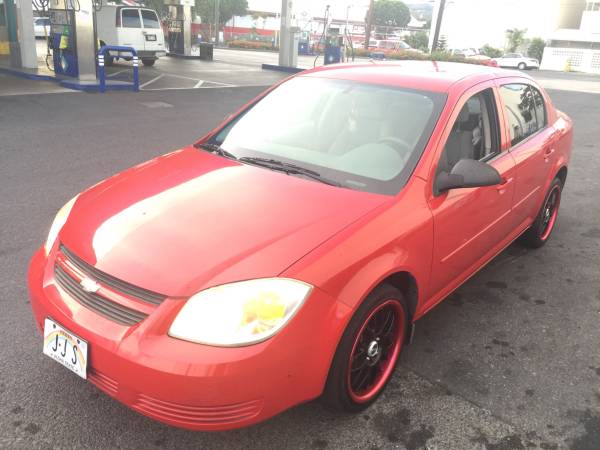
(131, 26)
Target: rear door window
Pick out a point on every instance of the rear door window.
(149, 19)
(130, 18)
(520, 109)
(540, 108)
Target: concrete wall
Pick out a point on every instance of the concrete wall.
(590, 21)
(577, 60)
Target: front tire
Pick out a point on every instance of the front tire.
(522, 66)
(368, 351)
(541, 229)
(148, 62)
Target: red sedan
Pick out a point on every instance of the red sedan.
(287, 254)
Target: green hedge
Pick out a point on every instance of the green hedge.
(252, 45)
(404, 55)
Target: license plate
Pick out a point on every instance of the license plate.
(150, 37)
(66, 348)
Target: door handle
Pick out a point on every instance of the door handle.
(548, 151)
(505, 182)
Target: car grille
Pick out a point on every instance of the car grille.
(197, 415)
(111, 282)
(109, 309)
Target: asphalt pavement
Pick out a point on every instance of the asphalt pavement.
(510, 361)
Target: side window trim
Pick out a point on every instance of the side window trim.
(495, 128)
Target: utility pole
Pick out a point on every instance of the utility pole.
(369, 23)
(217, 18)
(438, 26)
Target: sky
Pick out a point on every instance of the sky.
(467, 23)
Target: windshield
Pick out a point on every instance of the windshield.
(363, 136)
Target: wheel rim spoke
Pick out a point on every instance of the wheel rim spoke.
(374, 352)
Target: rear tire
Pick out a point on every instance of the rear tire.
(108, 60)
(541, 229)
(522, 66)
(368, 351)
(148, 62)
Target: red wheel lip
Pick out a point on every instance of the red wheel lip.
(391, 361)
(550, 226)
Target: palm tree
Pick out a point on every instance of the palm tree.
(515, 37)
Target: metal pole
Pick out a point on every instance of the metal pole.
(438, 26)
(369, 24)
(284, 34)
(217, 22)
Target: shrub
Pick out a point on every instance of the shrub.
(536, 48)
(490, 51)
(251, 45)
(419, 40)
(409, 55)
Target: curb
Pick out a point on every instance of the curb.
(66, 83)
(28, 76)
(282, 68)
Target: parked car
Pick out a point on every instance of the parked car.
(131, 26)
(467, 52)
(484, 59)
(288, 253)
(41, 27)
(393, 45)
(517, 60)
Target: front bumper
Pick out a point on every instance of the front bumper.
(190, 385)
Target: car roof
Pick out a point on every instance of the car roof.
(433, 76)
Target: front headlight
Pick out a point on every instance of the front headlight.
(240, 313)
(59, 221)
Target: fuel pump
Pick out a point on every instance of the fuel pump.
(62, 41)
(175, 36)
(179, 26)
(304, 44)
(333, 46)
(72, 43)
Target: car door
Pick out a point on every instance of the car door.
(470, 224)
(531, 141)
(510, 60)
(130, 31)
(153, 35)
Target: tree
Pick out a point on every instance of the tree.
(390, 13)
(536, 48)
(515, 37)
(227, 9)
(419, 40)
(490, 51)
(158, 6)
(442, 44)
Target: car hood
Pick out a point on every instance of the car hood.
(189, 220)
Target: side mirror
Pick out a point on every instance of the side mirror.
(467, 173)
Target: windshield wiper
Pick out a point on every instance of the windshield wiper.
(217, 149)
(288, 168)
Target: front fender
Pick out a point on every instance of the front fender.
(395, 238)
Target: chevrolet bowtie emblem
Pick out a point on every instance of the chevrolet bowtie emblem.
(89, 285)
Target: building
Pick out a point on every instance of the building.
(576, 49)
(17, 41)
(473, 23)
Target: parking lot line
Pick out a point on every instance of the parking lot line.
(117, 73)
(152, 80)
